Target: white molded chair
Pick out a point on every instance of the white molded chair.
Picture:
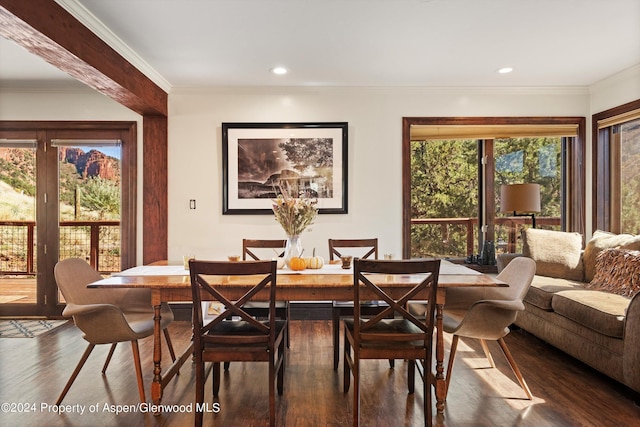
(488, 317)
(107, 316)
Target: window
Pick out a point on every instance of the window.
(454, 168)
(616, 181)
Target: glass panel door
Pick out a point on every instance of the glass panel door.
(444, 198)
(524, 161)
(18, 254)
(63, 190)
(629, 203)
(89, 202)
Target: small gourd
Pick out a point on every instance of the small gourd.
(315, 262)
(297, 263)
(280, 262)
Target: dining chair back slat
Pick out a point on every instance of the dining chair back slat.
(235, 334)
(250, 248)
(258, 249)
(363, 249)
(369, 245)
(403, 337)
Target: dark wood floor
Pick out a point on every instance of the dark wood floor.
(567, 393)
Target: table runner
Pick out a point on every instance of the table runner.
(446, 267)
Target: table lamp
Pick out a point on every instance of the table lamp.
(520, 198)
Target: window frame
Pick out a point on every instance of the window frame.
(574, 156)
(605, 178)
(48, 224)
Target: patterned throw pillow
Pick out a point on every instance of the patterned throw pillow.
(617, 272)
(602, 240)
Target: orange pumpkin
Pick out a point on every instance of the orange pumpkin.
(297, 263)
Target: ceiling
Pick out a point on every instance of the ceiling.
(434, 43)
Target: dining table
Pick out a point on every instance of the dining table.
(171, 283)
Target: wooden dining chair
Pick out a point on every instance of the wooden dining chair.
(490, 315)
(251, 247)
(107, 316)
(250, 250)
(236, 335)
(364, 248)
(404, 337)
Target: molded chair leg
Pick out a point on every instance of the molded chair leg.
(106, 362)
(515, 369)
(136, 362)
(452, 358)
(170, 347)
(75, 373)
(169, 344)
(487, 353)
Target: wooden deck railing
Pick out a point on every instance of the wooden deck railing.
(96, 241)
(512, 225)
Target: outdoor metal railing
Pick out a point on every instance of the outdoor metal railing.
(96, 241)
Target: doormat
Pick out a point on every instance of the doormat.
(27, 328)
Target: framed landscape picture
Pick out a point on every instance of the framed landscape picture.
(262, 160)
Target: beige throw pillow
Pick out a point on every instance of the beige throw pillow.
(617, 272)
(602, 240)
(556, 253)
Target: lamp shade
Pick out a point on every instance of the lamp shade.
(520, 198)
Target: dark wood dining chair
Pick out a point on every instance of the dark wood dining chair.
(404, 337)
(251, 247)
(250, 250)
(225, 339)
(365, 248)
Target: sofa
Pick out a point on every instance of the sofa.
(584, 298)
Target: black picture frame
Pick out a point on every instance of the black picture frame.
(259, 160)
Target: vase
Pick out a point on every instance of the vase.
(292, 249)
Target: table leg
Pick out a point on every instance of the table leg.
(156, 386)
(440, 380)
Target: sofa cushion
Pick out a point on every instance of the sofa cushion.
(543, 288)
(556, 253)
(602, 240)
(617, 272)
(600, 311)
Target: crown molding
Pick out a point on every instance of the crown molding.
(632, 72)
(454, 90)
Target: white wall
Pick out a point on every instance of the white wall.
(375, 154)
(77, 103)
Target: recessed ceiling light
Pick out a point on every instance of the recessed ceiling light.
(505, 70)
(279, 70)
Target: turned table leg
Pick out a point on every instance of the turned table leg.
(156, 385)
